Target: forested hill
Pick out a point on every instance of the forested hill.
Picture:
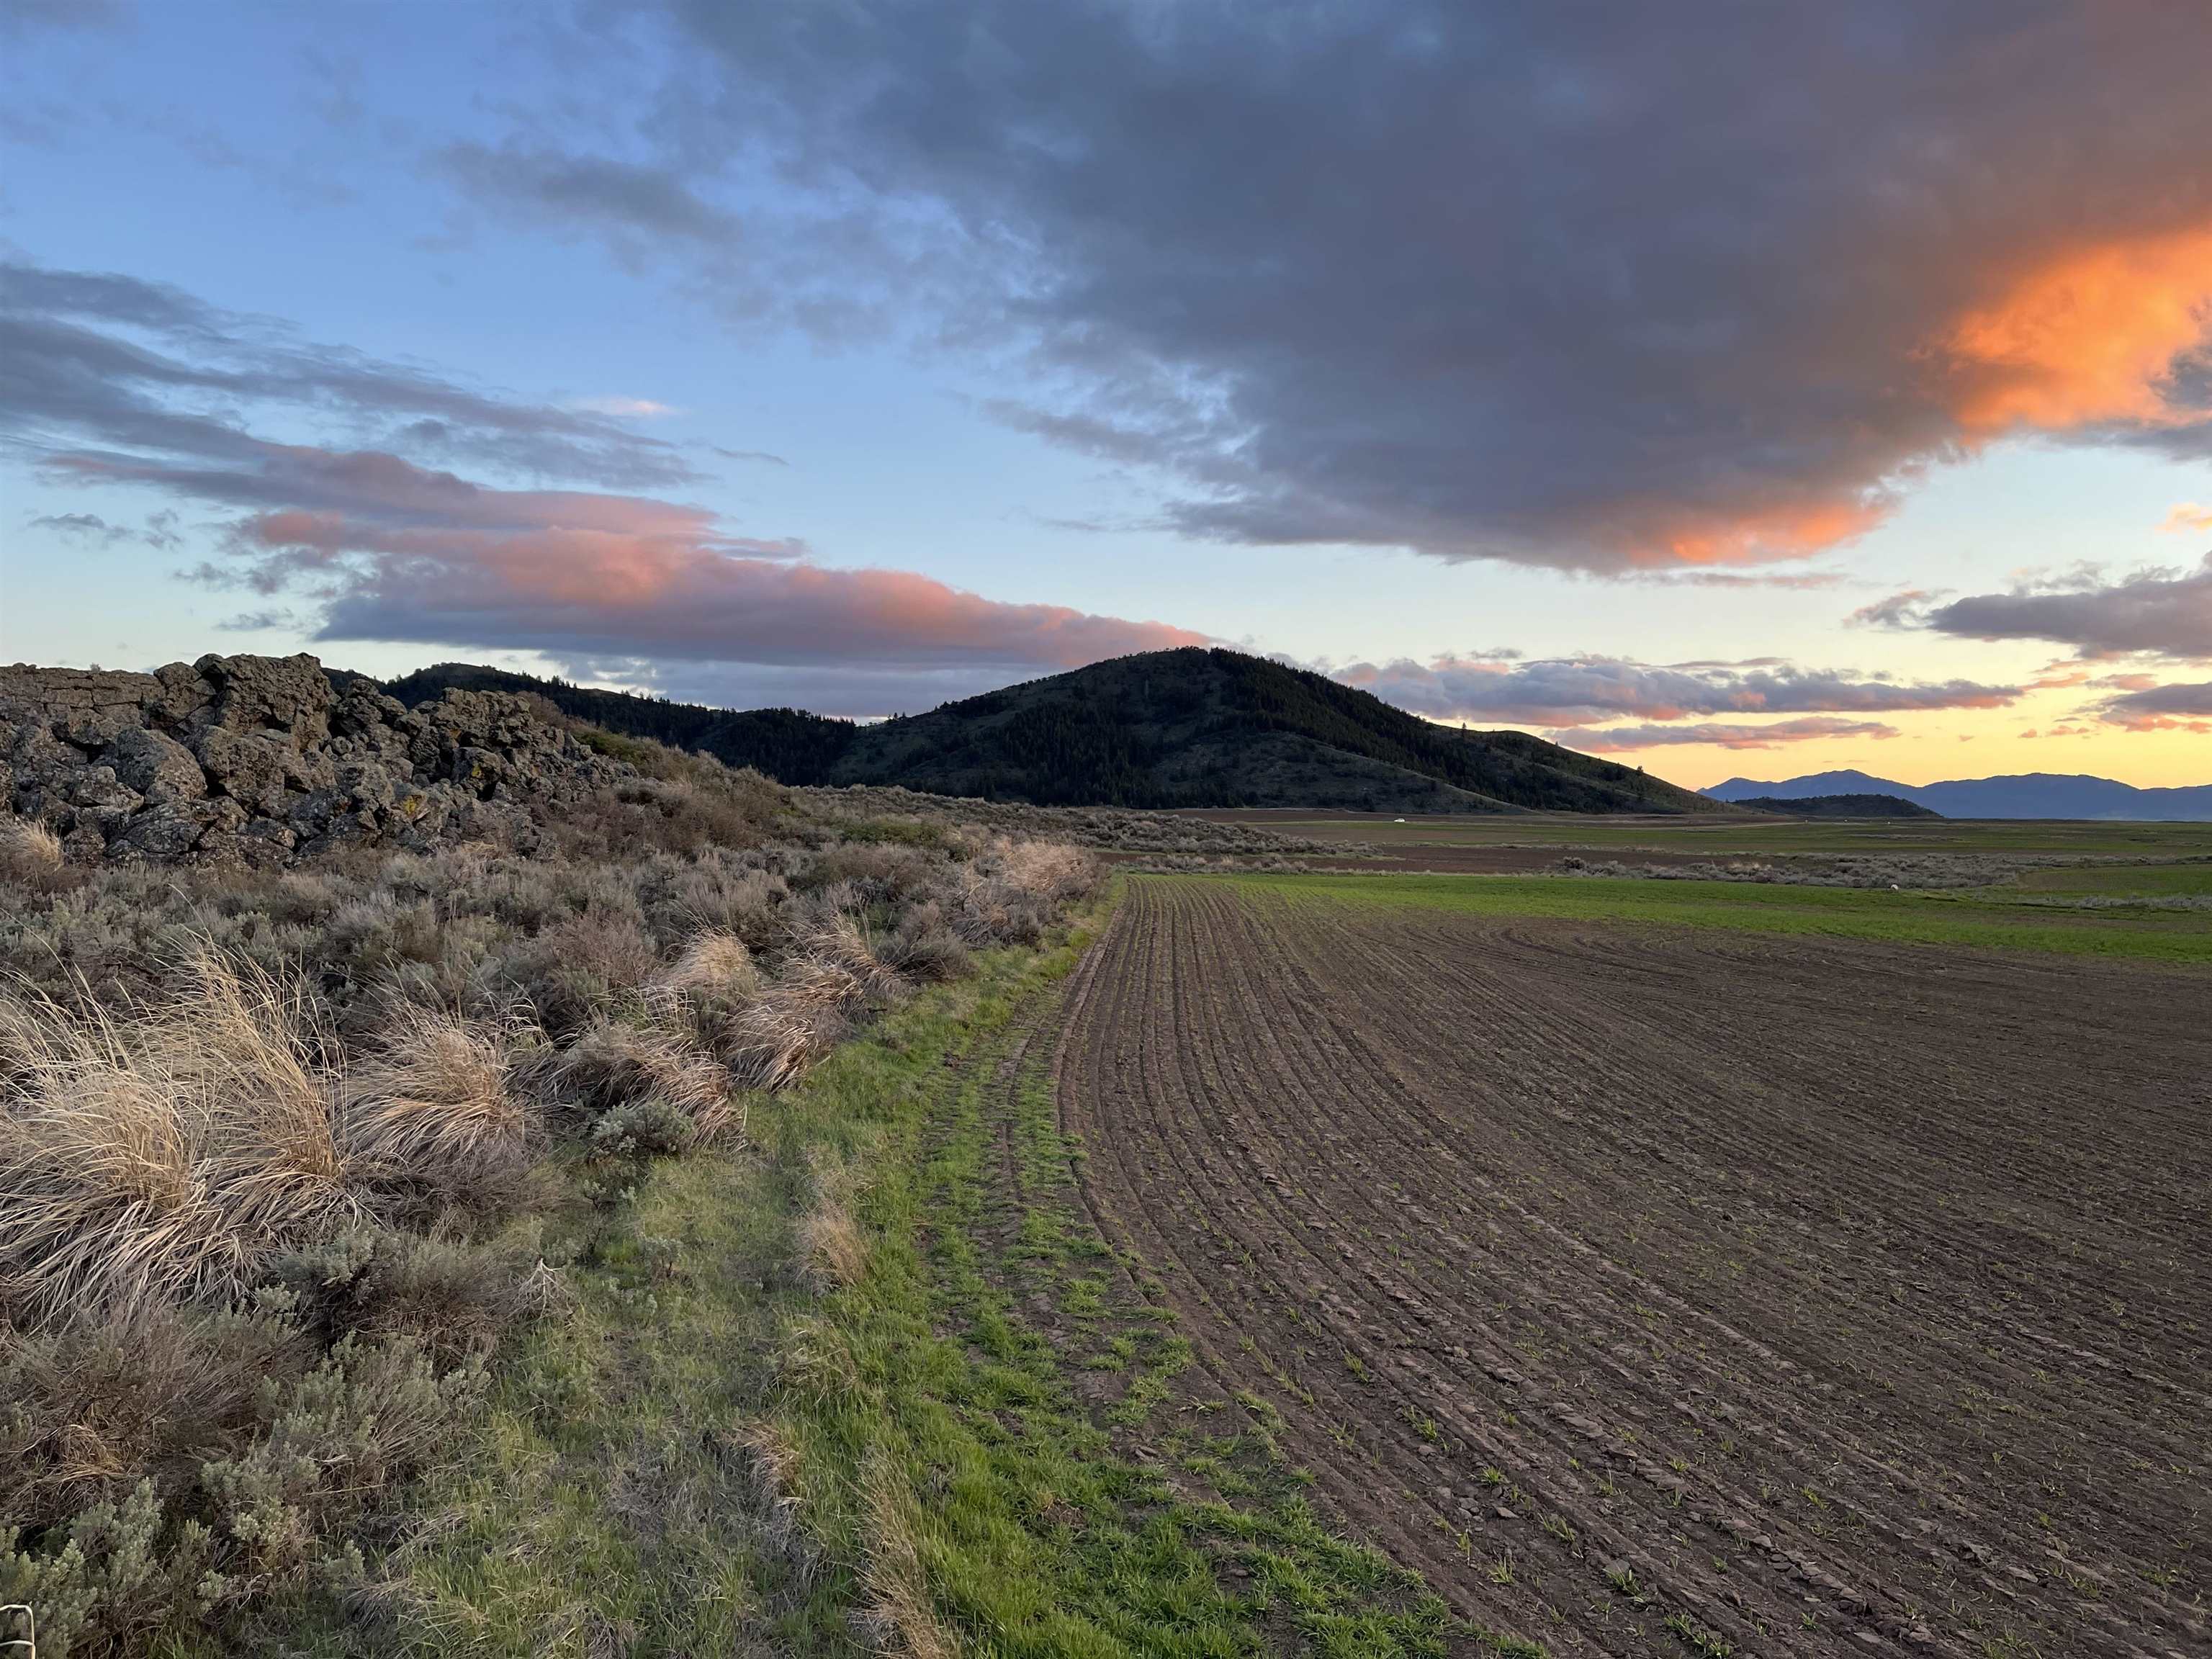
(1170, 728)
(787, 744)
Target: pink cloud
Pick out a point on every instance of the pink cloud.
(397, 552)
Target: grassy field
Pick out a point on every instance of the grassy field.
(879, 1388)
(1976, 917)
(2127, 880)
(1724, 837)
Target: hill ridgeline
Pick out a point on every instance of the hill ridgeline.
(1191, 727)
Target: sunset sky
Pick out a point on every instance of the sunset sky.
(1739, 388)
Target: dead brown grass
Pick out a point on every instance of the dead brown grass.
(432, 1109)
(29, 852)
(615, 1064)
(155, 1152)
(714, 963)
(896, 1607)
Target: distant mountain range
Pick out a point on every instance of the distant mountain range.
(1167, 728)
(2027, 795)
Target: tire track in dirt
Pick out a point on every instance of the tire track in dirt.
(1817, 1296)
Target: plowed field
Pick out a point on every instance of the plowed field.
(1665, 1292)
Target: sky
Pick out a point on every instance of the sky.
(1734, 390)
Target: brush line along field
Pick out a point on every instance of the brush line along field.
(1687, 1290)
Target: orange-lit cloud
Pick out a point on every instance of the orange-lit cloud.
(2087, 335)
(2176, 707)
(2187, 518)
(1795, 532)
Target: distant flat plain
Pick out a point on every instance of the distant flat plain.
(2078, 888)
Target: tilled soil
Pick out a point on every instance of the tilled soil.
(1666, 1292)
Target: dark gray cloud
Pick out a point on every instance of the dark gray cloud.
(2165, 612)
(1564, 692)
(92, 360)
(1583, 286)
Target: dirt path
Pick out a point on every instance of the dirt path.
(1664, 1293)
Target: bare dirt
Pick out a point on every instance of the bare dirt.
(1668, 1292)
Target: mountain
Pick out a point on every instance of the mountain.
(1838, 806)
(2026, 795)
(1191, 727)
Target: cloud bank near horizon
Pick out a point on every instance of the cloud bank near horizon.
(1581, 692)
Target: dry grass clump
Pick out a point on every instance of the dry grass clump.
(716, 964)
(155, 1152)
(834, 977)
(431, 1111)
(652, 1085)
(29, 851)
(832, 1254)
(840, 944)
(777, 1040)
(896, 1609)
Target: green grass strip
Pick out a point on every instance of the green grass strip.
(957, 1421)
(1971, 919)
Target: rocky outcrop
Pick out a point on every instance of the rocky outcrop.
(266, 759)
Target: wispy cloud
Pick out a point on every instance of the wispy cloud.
(112, 361)
(624, 408)
(81, 526)
(1621, 739)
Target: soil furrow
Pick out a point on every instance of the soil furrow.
(1817, 1296)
